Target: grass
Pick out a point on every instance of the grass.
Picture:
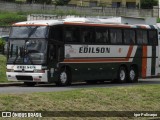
(3, 69)
(136, 98)
(8, 18)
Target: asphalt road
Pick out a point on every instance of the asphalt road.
(54, 88)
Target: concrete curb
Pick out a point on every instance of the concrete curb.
(10, 84)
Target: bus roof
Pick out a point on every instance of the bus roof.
(83, 21)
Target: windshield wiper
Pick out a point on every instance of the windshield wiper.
(32, 31)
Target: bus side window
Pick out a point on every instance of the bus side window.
(129, 36)
(116, 36)
(142, 37)
(152, 37)
(101, 35)
(71, 34)
(56, 33)
(87, 35)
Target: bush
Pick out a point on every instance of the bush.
(7, 19)
(61, 2)
(148, 4)
(9, 0)
(2, 43)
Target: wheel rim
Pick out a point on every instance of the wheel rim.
(63, 77)
(122, 75)
(132, 74)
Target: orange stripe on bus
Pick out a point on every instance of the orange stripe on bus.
(144, 61)
(102, 25)
(126, 59)
(30, 24)
(129, 52)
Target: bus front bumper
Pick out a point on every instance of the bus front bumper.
(27, 77)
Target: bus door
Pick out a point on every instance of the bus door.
(56, 52)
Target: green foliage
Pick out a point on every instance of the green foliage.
(9, 0)
(158, 20)
(148, 4)
(3, 69)
(7, 19)
(2, 42)
(61, 2)
(44, 1)
(40, 1)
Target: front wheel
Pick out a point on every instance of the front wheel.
(133, 75)
(64, 78)
(122, 75)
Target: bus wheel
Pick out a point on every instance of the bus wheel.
(122, 74)
(64, 78)
(133, 75)
(29, 84)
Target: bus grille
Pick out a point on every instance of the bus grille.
(24, 77)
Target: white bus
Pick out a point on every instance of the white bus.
(72, 49)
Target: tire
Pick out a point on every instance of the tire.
(30, 84)
(122, 75)
(64, 78)
(133, 75)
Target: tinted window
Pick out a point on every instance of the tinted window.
(87, 35)
(116, 36)
(129, 36)
(142, 37)
(153, 37)
(101, 35)
(56, 33)
(72, 34)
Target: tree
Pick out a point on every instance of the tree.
(61, 2)
(9, 0)
(39, 1)
(2, 43)
(148, 4)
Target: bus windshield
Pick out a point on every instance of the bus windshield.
(32, 51)
(28, 32)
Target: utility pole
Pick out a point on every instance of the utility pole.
(139, 4)
(158, 9)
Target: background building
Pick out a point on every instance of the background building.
(108, 3)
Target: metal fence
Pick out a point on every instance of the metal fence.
(92, 11)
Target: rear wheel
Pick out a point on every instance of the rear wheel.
(133, 75)
(30, 84)
(122, 74)
(64, 78)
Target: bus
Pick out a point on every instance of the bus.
(81, 49)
